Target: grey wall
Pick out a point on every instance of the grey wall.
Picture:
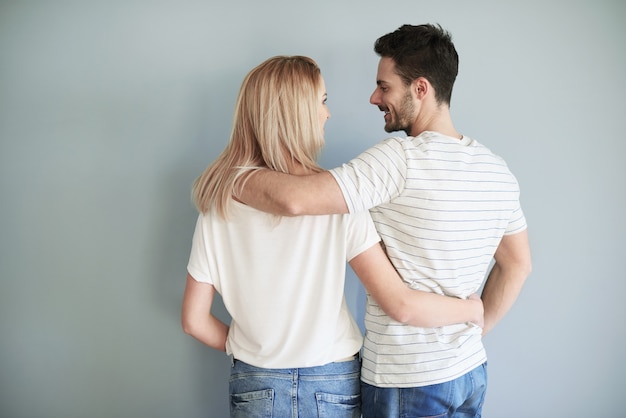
(109, 110)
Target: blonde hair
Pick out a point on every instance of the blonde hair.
(276, 125)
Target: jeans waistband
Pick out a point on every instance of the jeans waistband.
(349, 358)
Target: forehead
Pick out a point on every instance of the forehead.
(386, 71)
(322, 85)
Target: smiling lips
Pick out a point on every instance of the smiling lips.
(386, 112)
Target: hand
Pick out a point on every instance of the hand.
(479, 321)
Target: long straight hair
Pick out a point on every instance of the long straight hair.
(275, 125)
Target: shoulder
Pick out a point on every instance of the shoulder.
(390, 146)
(392, 141)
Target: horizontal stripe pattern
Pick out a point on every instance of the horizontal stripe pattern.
(441, 206)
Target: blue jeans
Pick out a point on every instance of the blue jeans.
(332, 390)
(461, 397)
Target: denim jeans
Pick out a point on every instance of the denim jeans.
(332, 390)
(459, 398)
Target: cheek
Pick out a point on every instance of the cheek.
(324, 114)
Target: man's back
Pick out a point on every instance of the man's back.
(441, 206)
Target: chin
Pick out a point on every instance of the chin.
(390, 129)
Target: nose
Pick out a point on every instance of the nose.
(375, 97)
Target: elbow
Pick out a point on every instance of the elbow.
(277, 205)
(187, 329)
(525, 269)
(291, 208)
(403, 318)
(405, 313)
(400, 312)
(189, 326)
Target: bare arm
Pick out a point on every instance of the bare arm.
(409, 306)
(505, 281)
(197, 319)
(291, 195)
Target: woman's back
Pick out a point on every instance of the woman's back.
(282, 281)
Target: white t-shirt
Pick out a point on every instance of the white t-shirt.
(282, 282)
(441, 206)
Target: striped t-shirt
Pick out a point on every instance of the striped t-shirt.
(441, 206)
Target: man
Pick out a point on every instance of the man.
(445, 206)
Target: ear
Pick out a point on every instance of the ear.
(421, 87)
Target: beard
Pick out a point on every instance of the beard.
(403, 118)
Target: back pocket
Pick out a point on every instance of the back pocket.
(259, 403)
(338, 406)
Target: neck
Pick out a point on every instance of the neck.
(436, 120)
(298, 170)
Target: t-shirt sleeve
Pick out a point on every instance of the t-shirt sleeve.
(517, 222)
(361, 234)
(375, 177)
(198, 266)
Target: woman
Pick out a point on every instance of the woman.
(293, 340)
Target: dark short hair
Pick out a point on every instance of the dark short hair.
(422, 51)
